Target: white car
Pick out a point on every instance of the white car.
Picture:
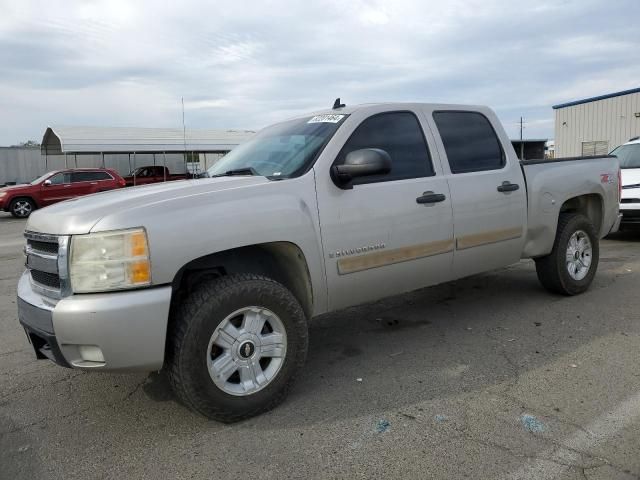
(629, 157)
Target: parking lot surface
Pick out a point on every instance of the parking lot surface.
(488, 377)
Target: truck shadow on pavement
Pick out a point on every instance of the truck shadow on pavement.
(467, 355)
(432, 344)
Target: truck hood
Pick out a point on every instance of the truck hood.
(80, 215)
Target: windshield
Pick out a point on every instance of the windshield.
(628, 155)
(283, 150)
(41, 178)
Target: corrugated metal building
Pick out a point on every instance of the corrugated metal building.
(20, 164)
(595, 126)
(530, 148)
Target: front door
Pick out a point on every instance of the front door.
(378, 239)
(56, 188)
(84, 183)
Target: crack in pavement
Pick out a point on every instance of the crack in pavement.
(46, 384)
(47, 420)
(3, 354)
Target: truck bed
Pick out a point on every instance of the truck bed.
(537, 161)
(552, 183)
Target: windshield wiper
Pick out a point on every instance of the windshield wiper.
(237, 171)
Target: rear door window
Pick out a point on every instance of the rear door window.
(89, 176)
(470, 141)
(77, 177)
(102, 176)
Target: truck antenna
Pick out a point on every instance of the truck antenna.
(337, 104)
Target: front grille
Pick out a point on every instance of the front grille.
(50, 280)
(45, 247)
(42, 262)
(630, 200)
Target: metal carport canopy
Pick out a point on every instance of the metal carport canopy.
(64, 140)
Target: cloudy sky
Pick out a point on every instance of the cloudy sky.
(246, 64)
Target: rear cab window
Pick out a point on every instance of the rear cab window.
(470, 141)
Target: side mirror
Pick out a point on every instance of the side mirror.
(46, 183)
(361, 163)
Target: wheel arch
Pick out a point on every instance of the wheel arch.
(12, 199)
(282, 261)
(26, 196)
(590, 205)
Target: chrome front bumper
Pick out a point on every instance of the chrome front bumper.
(105, 331)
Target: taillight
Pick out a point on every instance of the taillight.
(122, 182)
(619, 185)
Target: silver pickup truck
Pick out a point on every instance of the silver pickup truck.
(215, 280)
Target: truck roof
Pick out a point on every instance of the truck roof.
(348, 109)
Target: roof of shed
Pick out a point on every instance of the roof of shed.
(594, 99)
(58, 140)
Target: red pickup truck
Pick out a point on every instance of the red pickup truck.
(152, 174)
(56, 186)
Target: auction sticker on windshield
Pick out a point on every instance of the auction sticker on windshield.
(328, 118)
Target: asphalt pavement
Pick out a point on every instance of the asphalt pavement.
(487, 377)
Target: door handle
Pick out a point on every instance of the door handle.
(430, 197)
(508, 187)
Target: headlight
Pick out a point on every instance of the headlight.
(109, 261)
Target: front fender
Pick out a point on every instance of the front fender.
(187, 228)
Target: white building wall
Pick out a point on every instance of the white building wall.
(610, 120)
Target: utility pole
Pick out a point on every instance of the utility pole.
(521, 141)
(184, 139)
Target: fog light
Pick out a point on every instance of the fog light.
(91, 353)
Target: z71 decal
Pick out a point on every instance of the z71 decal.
(607, 178)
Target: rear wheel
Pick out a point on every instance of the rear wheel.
(570, 267)
(21, 207)
(236, 346)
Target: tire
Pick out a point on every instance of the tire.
(554, 270)
(200, 319)
(21, 207)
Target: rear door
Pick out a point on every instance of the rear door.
(378, 240)
(487, 188)
(83, 183)
(56, 188)
(103, 181)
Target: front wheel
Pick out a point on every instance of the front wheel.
(21, 207)
(570, 267)
(236, 346)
